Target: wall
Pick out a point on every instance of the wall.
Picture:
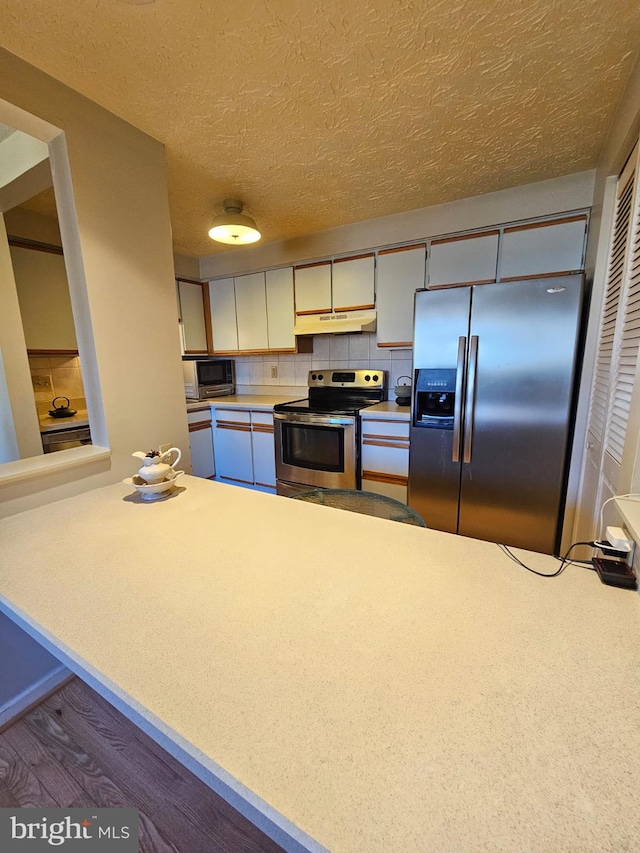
(253, 373)
(128, 331)
(121, 200)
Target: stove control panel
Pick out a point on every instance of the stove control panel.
(346, 378)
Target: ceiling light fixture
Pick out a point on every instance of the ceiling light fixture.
(234, 227)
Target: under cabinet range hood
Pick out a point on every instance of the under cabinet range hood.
(335, 324)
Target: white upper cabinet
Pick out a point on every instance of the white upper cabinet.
(251, 312)
(468, 259)
(192, 314)
(222, 301)
(280, 308)
(543, 248)
(400, 273)
(313, 288)
(353, 285)
(43, 295)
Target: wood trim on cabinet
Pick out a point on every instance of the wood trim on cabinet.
(460, 237)
(408, 344)
(36, 245)
(462, 284)
(224, 408)
(208, 331)
(526, 277)
(367, 419)
(386, 437)
(263, 428)
(266, 485)
(191, 280)
(353, 308)
(378, 476)
(354, 258)
(314, 264)
(402, 249)
(582, 217)
(203, 408)
(235, 426)
(40, 353)
(314, 311)
(198, 425)
(196, 352)
(376, 443)
(237, 480)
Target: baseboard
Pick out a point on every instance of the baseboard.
(33, 695)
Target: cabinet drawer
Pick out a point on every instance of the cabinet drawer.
(384, 458)
(263, 420)
(232, 416)
(379, 428)
(199, 416)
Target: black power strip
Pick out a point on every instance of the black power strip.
(615, 573)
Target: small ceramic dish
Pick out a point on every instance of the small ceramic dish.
(153, 491)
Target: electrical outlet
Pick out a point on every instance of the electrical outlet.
(41, 383)
(274, 371)
(164, 447)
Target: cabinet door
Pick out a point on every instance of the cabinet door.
(313, 288)
(192, 312)
(353, 283)
(43, 294)
(543, 248)
(232, 445)
(468, 259)
(222, 301)
(264, 455)
(400, 273)
(251, 312)
(280, 308)
(201, 442)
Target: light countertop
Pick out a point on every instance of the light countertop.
(49, 424)
(388, 411)
(264, 402)
(377, 687)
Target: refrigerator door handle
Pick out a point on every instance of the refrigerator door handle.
(471, 398)
(457, 406)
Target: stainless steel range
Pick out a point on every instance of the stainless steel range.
(318, 439)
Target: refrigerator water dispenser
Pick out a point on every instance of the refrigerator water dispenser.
(435, 398)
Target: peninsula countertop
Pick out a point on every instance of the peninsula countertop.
(362, 685)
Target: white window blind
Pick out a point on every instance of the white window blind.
(601, 396)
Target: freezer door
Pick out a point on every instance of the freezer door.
(519, 410)
(440, 347)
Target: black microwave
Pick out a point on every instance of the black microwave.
(208, 377)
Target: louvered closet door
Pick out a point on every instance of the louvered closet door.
(617, 354)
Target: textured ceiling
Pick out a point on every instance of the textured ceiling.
(320, 114)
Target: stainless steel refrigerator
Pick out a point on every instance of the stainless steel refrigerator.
(492, 409)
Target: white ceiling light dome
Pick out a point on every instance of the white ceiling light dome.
(233, 226)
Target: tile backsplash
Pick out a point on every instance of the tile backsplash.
(329, 352)
(64, 376)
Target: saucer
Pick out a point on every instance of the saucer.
(153, 491)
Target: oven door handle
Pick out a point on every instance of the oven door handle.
(322, 420)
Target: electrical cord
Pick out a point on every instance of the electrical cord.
(564, 561)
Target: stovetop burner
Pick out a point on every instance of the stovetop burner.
(341, 392)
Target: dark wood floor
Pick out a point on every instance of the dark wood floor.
(77, 750)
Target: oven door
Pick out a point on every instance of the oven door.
(317, 450)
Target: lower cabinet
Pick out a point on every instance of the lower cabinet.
(244, 448)
(385, 456)
(201, 443)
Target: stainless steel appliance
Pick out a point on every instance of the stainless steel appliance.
(492, 411)
(206, 377)
(65, 438)
(318, 439)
